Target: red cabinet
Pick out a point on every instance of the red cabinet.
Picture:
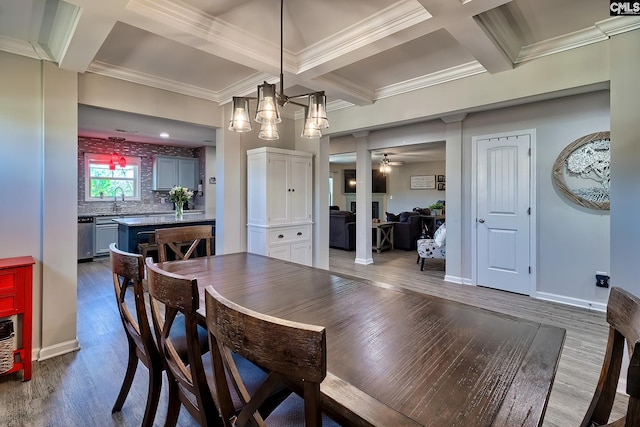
(16, 283)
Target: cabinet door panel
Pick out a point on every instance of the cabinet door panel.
(105, 235)
(301, 253)
(165, 173)
(280, 252)
(300, 184)
(188, 173)
(278, 189)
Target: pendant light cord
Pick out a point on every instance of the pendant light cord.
(282, 97)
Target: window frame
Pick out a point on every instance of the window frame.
(96, 158)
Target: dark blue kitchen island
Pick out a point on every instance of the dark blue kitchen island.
(128, 228)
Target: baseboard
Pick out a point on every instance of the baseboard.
(453, 279)
(363, 261)
(58, 349)
(468, 282)
(576, 302)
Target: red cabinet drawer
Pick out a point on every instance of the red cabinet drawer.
(10, 304)
(10, 279)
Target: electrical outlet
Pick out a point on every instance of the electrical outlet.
(602, 280)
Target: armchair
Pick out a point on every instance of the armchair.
(433, 248)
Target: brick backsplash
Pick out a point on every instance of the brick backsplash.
(147, 152)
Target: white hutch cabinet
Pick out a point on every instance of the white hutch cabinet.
(279, 204)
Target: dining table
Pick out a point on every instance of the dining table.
(397, 357)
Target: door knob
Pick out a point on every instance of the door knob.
(481, 221)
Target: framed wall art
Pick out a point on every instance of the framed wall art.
(423, 182)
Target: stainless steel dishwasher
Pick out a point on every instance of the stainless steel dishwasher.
(85, 238)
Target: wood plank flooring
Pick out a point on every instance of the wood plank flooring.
(79, 389)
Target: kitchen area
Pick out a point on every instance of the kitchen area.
(125, 186)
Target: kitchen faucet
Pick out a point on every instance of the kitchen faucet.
(115, 198)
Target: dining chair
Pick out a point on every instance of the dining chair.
(183, 241)
(146, 243)
(623, 316)
(293, 353)
(128, 269)
(190, 379)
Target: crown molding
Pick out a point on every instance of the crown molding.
(450, 74)
(348, 88)
(389, 21)
(599, 32)
(132, 76)
(23, 48)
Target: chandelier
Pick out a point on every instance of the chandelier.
(385, 165)
(116, 159)
(269, 102)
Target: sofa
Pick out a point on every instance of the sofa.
(342, 230)
(406, 229)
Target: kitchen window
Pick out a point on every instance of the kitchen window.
(101, 182)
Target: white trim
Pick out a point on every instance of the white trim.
(468, 282)
(532, 204)
(575, 302)
(453, 279)
(58, 349)
(363, 261)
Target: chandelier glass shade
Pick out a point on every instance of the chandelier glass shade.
(269, 101)
(240, 121)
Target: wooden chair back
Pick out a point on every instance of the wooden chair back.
(183, 241)
(623, 316)
(292, 352)
(128, 269)
(172, 295)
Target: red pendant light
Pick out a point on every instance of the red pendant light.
(116, 159)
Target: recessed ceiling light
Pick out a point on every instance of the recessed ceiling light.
(164, 135)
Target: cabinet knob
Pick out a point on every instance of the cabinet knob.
(280, 236)
(299, 233)
(293, 189)
(481, 221)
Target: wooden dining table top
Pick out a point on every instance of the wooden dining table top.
(394, 356)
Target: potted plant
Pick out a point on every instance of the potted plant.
(436, 208)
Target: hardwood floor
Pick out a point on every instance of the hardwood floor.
(79, 389)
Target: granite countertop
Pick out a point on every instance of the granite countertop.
(167, 219)
(137, 214)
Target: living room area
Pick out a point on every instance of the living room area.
(408, 187)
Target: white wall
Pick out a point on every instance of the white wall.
(400, 196)
(573, 242)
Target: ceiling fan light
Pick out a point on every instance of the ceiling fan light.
(122, 162)
(112, 166)
(240, 121)
(268, 132)
(267, 111)
(318, 110)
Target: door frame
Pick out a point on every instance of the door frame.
(533, 255)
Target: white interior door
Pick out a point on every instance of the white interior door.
(503, 213)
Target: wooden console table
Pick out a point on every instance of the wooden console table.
(384, 235)
(16, 286)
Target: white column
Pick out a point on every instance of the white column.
(363, 199)
(60, 211)
(453, 196)
(231, 207)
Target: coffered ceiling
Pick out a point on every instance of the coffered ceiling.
(357, 51)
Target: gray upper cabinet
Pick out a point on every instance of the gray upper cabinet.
(170, 171)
